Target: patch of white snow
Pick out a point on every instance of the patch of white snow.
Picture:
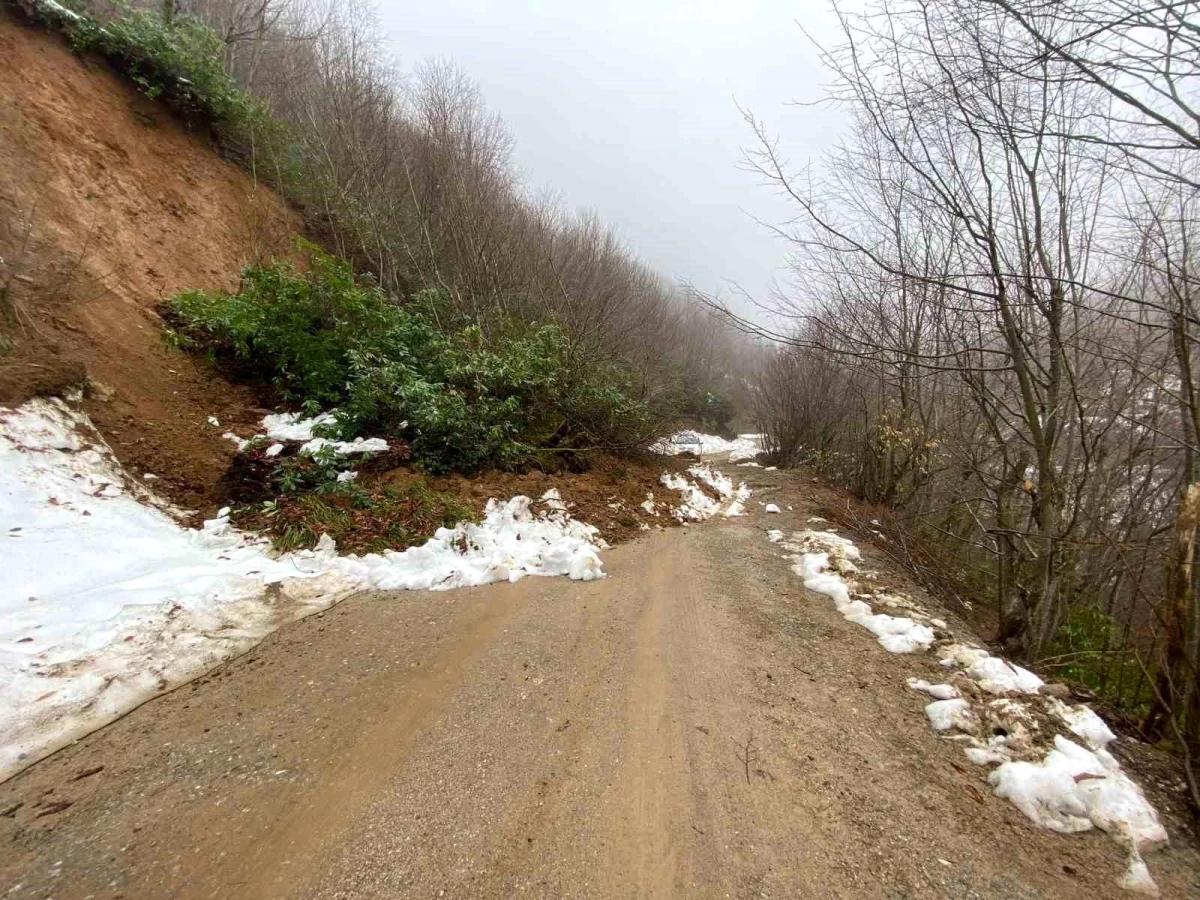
(1074, 789)
(949, 715)
(936, 691)
(1083, 722)
(696, 506)
(356, 447)
(722, 484)
(294, 426)
(738, 506)
(121, 602)
(998, 676)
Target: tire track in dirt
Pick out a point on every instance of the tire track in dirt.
(644, 846)
(306, 830)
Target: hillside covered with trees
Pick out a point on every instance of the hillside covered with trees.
(993, 330)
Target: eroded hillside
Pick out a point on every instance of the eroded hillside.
(107, 207)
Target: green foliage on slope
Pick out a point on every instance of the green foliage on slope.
(326, 339)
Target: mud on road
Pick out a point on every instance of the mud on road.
(695, 725)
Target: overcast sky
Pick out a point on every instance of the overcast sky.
(628, 107)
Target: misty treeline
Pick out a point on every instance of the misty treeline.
(993, 325)
(411, 178)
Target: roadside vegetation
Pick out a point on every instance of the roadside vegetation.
(325, 339)
(996, 332)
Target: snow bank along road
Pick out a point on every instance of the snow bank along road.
(698, 724)
(109, 600)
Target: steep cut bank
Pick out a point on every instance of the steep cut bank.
(107, 207)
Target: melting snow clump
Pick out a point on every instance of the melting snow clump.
(696, 506)
(722, 484)
(738, 506)
(1071, 788)
(999, 676)
(936, 691)
(294, 426)
(821, 559)
(282, 428)
(1075, 789)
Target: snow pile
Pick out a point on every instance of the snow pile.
(295, 428)
(822, 560)
(990, 707)
(1072, 788)
(105, 600)
(936, 691)
(999, 676)
(738, 506)
(949, 714)
(961, 656)
(510, 543)
(1083, 722)
(747, 446)
(553, 501)
(344, 448)
(696, 505)
(841, 551)
(1075, 789)
(722, 484)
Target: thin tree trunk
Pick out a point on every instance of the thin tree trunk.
(1176, 680)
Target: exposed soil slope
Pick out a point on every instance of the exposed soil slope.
(108, 206)
(697, 725)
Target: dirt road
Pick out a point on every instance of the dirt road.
(695, 725)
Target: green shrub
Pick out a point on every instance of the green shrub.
(1090, 654)
(325, 339)
(317, 473)
(180, 61)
